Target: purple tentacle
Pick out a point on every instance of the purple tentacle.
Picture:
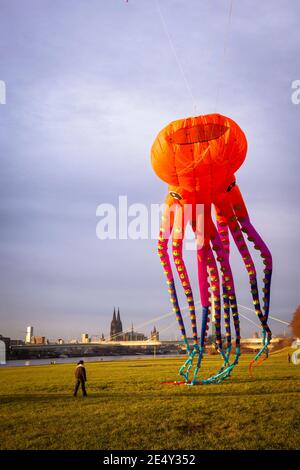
(259, 244)
(238, 237)
(229, 290)
(215, 287)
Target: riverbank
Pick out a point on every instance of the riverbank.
(74, 360)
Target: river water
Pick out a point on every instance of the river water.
(74, 360)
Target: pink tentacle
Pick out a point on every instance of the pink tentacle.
(177, 246)
(228, 283)
(164, 235)
(202, 258)
(222, 228)
(238, 237)
(241, 212)
(260, 245)
(215, 287)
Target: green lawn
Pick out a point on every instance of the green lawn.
(128, 408)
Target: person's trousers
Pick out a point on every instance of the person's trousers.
(77, 385)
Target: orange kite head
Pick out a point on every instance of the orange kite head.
(199, 155)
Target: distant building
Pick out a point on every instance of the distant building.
(116, 327)
(38, 340)
(60, 341)
(95, 339)
(29, 334)
(154, 335)
(85, 338)
(133, 336)
(116, 330)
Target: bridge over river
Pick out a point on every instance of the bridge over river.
(114, 348)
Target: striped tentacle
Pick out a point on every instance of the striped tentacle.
(202, 257)
(241, 213)
(238, 237)
(202, 262)
(229, 291)
(164, 235)
(215, 288)
(203, 250)
(223, 230)
(226, 315)
(177, 245)
(185, 282)
(253, 236)
(260, 245)
(205, 260)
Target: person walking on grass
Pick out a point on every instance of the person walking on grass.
(80, 376)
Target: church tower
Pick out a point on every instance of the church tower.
(119, 323)
(116, 327)
(154, 335)
(113, 326)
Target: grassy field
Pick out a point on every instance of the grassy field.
(128, 408)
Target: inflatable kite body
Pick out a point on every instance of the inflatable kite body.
(198, 158)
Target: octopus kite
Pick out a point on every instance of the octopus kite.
(198, 158)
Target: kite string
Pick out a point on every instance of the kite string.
(179, 64)
(249, 320)
(226, 42)
(273, 318)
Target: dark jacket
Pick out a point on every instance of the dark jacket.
(80, 372)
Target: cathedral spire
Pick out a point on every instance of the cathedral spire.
(114, 327)
(119, 323)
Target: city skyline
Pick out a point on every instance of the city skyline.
(30, 330)
(87, 91)
(107, 336)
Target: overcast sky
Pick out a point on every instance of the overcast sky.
(89, 85)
